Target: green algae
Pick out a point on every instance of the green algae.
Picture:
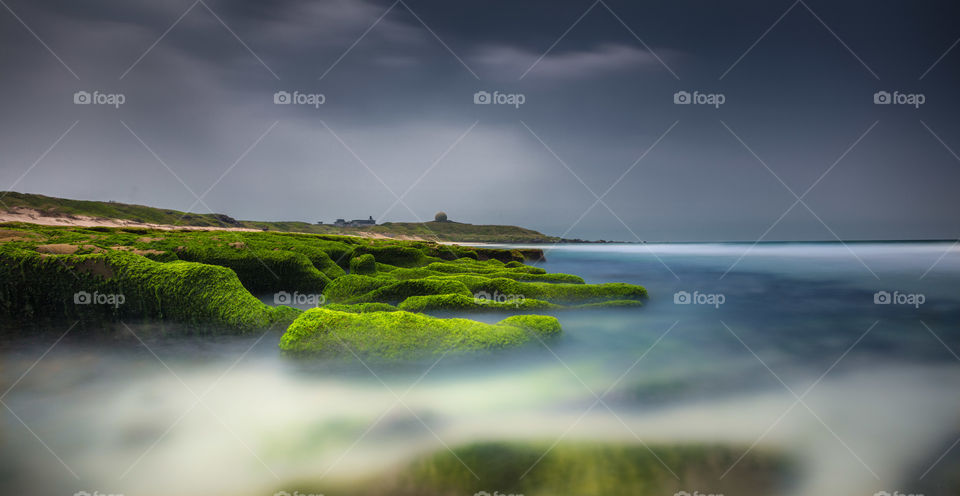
(364, 264)
(405, 335)
(133, 287)
(208, 277)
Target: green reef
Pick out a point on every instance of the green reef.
(407, 335)
(578, 467)
(124, 285)
(376, 297)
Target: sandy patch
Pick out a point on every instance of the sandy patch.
(65, 249)
(401, 237)
(13, 235)
(95, 267)
(58, 249)
(136, 251)
(34, 216)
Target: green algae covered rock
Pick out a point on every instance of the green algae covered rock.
(589, 467)
(361, 307)
(539, 325)
(529, 274)
(560, 293)
(460, 303)
(262, 271)
(363, 265)
(405, 335)
(394, 254)
(118, 285)
(207, 277)
(397, 291)
(350, 285)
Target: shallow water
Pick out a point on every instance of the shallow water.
(145, 410)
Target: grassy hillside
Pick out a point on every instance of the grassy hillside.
(441, 231)
(112, 210)
(456, 231)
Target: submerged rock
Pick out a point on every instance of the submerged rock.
(571, 468)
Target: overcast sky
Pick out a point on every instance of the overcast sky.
(598, 119)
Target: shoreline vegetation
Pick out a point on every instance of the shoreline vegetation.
(46, 210)
(382, 298)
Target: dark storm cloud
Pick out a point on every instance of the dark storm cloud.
(401, 98)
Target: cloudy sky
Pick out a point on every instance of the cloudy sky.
(798, 149)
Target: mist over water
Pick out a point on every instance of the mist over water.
(106, 411)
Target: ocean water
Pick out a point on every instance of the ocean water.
(843, 357)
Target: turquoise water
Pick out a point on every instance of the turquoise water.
(144, 410)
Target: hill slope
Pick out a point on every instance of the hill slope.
(42, 209)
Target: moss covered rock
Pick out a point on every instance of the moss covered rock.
(350, 285)
(464, 303)
(401, 290)
(564, 294)
(364, 264)
(394, 254)
(405, 335)
(124, 285)
(262, 271)
(361, 307)
(594, 468)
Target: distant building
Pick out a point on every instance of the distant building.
(356, 222)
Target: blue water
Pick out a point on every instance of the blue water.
(116, 410)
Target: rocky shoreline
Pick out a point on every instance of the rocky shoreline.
(388, 299)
